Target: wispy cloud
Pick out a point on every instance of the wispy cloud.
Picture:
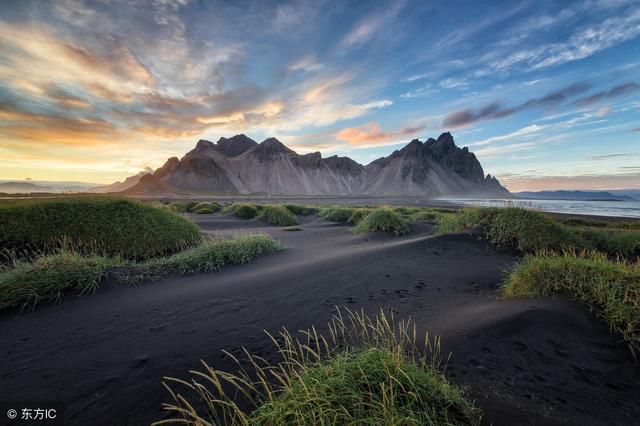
(371, 134)
(495, 110)
(419, 92)
(604, 157)
(614, 92)
(371, 24)
(452, 83)
(581, 44)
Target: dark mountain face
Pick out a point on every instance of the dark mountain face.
(240, 165)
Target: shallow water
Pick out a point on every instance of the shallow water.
(592, 208)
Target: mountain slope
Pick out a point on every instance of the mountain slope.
(240, 165)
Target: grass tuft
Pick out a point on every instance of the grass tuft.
(530, 231)
(242, 210)
(384, 220)
(45, 280)
(336, 214)
(278, 215)
(365, 371)
(301, 210)
(610, 288)
(104, 226)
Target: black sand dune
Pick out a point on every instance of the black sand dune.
(524, 361)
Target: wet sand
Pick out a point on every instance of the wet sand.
(523, 361)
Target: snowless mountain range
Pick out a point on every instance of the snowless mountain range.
(239, 165)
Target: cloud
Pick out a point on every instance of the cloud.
(452, 83)
(306, 64)
(500, 150)
(581, 44)
(525, 131)
(419, 92)
(603, 112)
(604, 157)
(616, 91)
(367, 28)
(495, 110)
(370, 134)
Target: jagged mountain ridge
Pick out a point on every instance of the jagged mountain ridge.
(239, 165)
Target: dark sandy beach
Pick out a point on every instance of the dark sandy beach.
(523, 361)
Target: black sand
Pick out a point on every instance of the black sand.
(524, 361)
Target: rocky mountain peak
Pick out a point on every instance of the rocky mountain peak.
(240, 165)
(274, 145)
(204, 145)
(235, 145)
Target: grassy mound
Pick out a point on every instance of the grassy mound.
(242, 210)
(278, 215)
(368, 371)
(596, 224)
(513, 228)
(613, 241)
(26, 285)
(301, 210)
(46, 279)
(358, 214)
(336, 214)
(105, 226)
(530, 231)
(204, 208)
(611, 288)
(384, 220)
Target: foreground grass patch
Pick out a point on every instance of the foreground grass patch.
(530, 231)
(612, 289)
(367, 371)
(47, 278)
(210, 256)
(105, 226)
(383, 220)
(278, 215)
(301, 210)
(242, 210)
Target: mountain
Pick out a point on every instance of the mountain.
(21, 188)
(239, 165)
(129, 182)
(35, 186)
(574, 195)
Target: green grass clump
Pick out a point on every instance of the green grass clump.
(384, 220)
(582, 222)
(612, 241)
(530, 231)
(45, 280)
(242, 210)
(105, 226)
(301, 210)
(513, 228)
(594, 224)
(611, 288)
(26, 284)
(336, 214)
(358, 214)
(367, 371)
(210, 256)
(204, 208)
(278, 215)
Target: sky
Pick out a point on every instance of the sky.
(546, 93)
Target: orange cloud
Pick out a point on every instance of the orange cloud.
(371, 134)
